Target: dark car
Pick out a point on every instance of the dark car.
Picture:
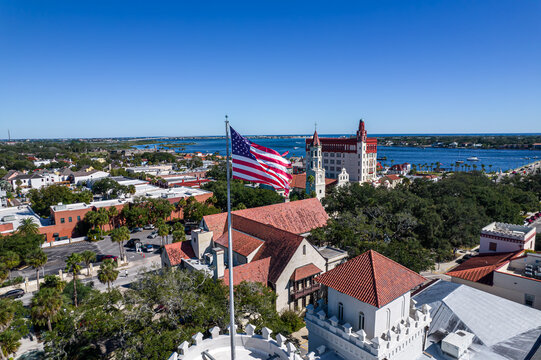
(13, 294)
(131, 243)
(105, 257)
(136, 230)
(148, 248)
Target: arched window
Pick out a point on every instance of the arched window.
(403, 306)
(361, 321)
(388, 318)
(340, 312)
(304, 249)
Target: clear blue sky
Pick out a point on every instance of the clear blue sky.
(96, 68)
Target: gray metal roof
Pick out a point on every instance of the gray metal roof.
(503, 329)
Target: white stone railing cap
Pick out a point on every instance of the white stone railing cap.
(266, 332)
(281, 339)
(250, 329)
(214, 332)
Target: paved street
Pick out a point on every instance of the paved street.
(57, 255)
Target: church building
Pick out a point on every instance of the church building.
(354, 157)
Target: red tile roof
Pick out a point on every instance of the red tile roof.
(298, 181)
(178, 251)
(297, 217)
(305, 271)
(279, 245)
(481, 268)
(392, 177)
(255, 271)
(315, 140)
(371, 278)
(243, 244)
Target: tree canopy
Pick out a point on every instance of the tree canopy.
(419, 223)
(42, 199)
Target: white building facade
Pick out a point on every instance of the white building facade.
(500, 237)
(369, 316)
(358, 155)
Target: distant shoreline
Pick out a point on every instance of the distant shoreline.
(285, 136)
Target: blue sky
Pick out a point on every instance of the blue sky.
(131, 68)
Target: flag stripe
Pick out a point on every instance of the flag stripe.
(256, 163)
(271, 162)
(252, 166)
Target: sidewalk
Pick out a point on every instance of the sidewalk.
(444, 267)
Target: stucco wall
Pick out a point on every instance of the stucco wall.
(375, 320)
(297, 260)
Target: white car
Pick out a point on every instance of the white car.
(153, 235)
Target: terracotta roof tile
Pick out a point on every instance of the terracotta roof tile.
(255, 271)
(481, 268)
(305, 271)
(279, 245)
(298, 217)
(243, 244)
(315, 140)
(178, 251)
(298, 181)
(371, 278)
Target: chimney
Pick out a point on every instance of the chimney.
(218, 261)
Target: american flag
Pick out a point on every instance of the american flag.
(256, 163)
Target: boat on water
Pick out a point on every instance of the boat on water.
(460, 161)
(473, 158)
(382, 158)
(295, 147)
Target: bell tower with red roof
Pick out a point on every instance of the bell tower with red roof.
(315, 173)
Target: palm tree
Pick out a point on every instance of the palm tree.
(7, 313)
(73, 264)
(37, 259)
(119, 235)
(163, 231)
(131, 189)
(180, 205)
(113, 213)
(45, 306)
(108, 273)
(88, 258)
(28, 227)
(10, 259)
(102, 218)
(179, 235)
(91, 218)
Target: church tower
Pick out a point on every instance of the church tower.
(315, 174)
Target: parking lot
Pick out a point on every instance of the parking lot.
(57, 255)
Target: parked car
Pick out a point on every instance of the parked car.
(105, 257)
(152, 235)
(136, 230)
(148, 227)
(131, 243)
(148, 248)
(13, 294)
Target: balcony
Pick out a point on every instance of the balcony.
(296, 294)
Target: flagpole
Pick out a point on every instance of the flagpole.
(230, 244)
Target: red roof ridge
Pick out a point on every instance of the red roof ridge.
(373, 268)
(315, 140)
(362, 279)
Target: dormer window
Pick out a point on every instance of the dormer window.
(340, 312)
(361, 321)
